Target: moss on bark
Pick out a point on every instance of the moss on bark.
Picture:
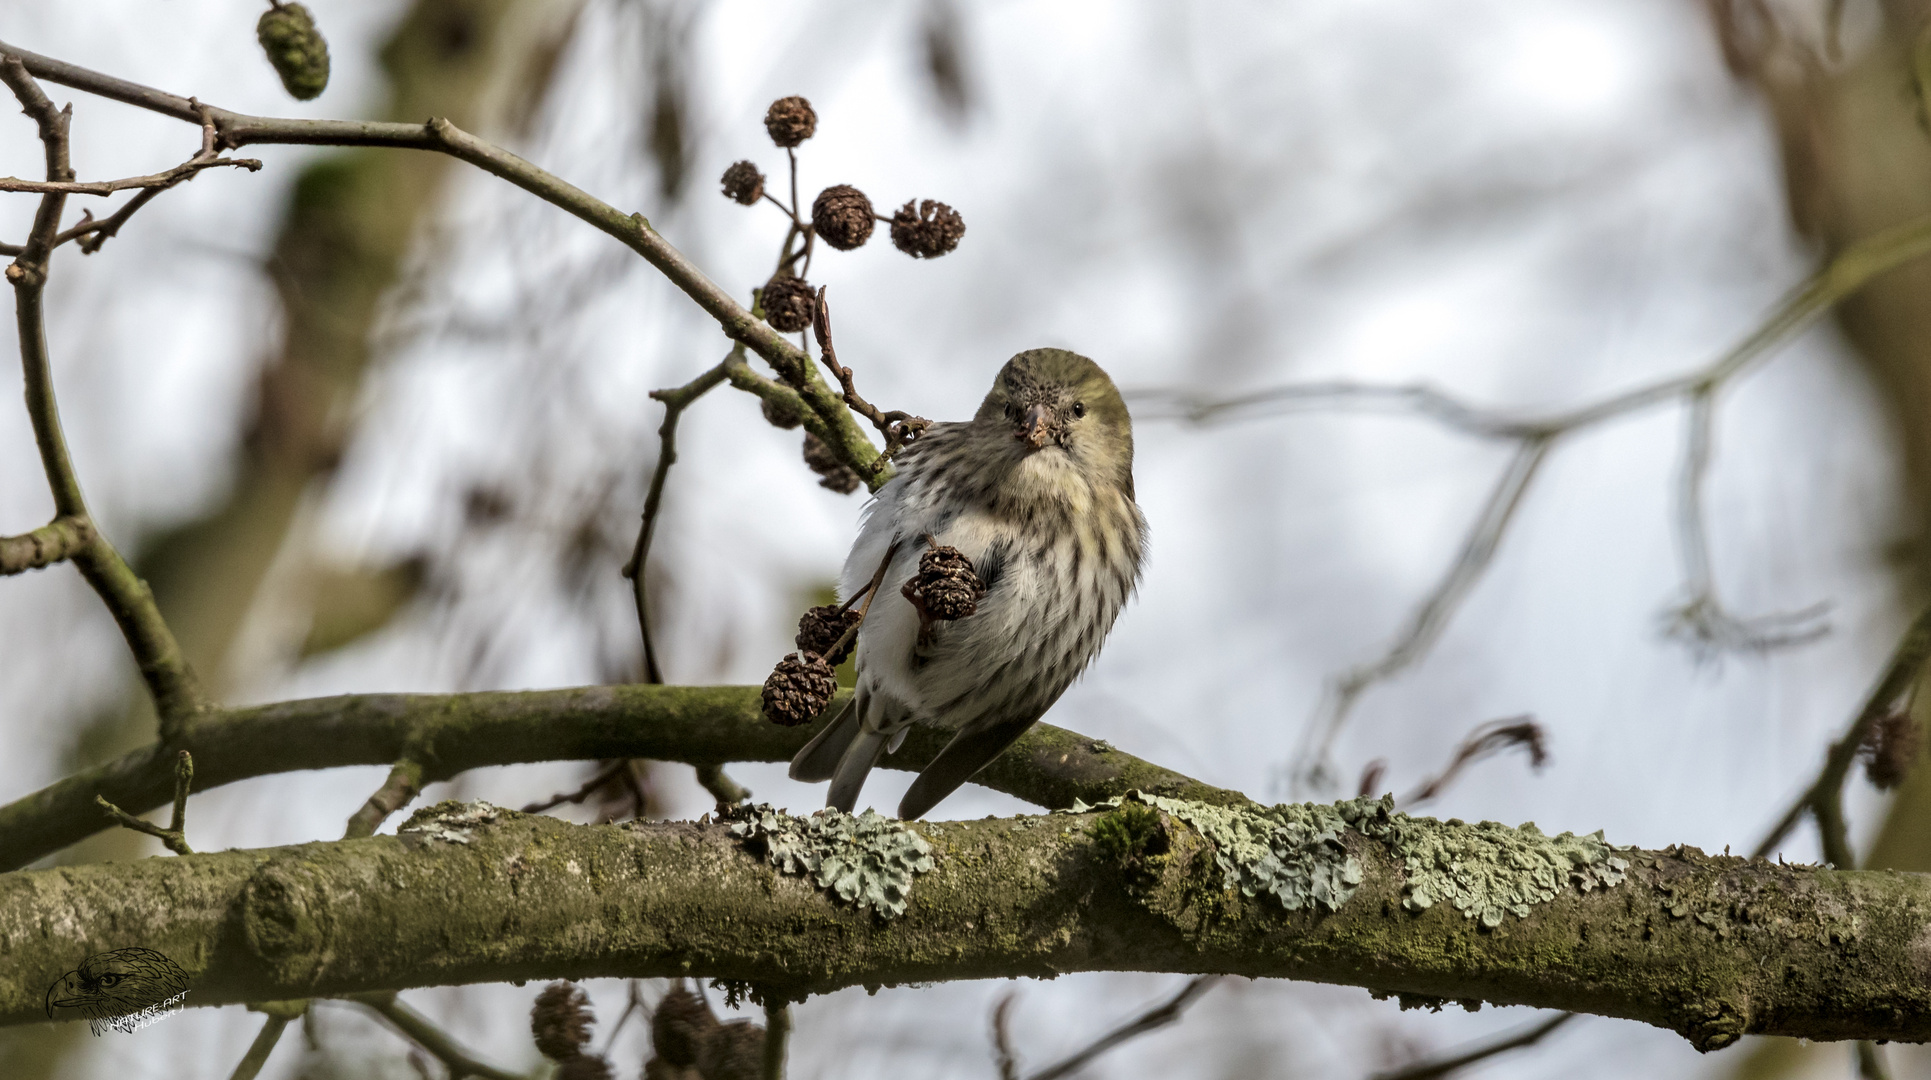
(1708, 947)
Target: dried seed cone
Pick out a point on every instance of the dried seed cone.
(821, 627)
(560, 1021)
(843, 216)
(780, 414)
(790, 121)
(744, 183)
(799, 689)
(928, 230)
(947, 583)
(659, 1069)
(585, 1067)
(788, 303)
(295, 49)
(1891, 749)
(833, 474)
(679, 1027)
(734, 1051)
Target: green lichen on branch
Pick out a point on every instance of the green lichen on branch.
(867, 860)
(1488, 869)
(1292, 852)
(1296, 852)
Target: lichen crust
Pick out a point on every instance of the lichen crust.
(1486, 870)
(1295, 853)
(867, 860)
(451, 821)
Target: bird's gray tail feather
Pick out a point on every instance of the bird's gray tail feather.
(857, 763)
(968, 752)
(819, 759)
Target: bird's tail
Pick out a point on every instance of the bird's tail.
(854, 766)
(820, 757)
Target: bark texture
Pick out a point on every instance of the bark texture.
(1710, 947)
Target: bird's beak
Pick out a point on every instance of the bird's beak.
(1037, 428)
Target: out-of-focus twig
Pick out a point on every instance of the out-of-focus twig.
(777, 1032)
(1002, 1052)
(279, 1015)
(1159, 1016)
(1462, 1059)
(1701, 617)
(1490, 738)
(1823, 800)
(1701, 621)
(675, 402)
(424, 1033)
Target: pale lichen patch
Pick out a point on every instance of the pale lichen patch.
(1488, 869)
(868, 860)
(452, 821)
(1295, 853)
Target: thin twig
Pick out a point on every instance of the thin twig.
(675, 402)
(603, 776)
(777, 1032)
(257, 1056)
(403, 784)
(898, 428)
(108, 187)
(1490, 738)
(1824, 798)
(175, 835)
(1002, 1052)
(234, 130)
(176, 695)
(726, 791)
(57, 541)
(420, 1030)
(1701, 619)
(1462, 1059)
(1159, 1016)
(1478, 550)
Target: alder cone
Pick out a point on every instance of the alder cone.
(928, 230)
(560, 1021)
(679, 1027)
(585, 1067)
(948, 586)
(799, 689)
(833, 473)
(788, 303)
(843, 217)
(296, 50)
(735, 1051)
(743, 183)
(790, 121)
(821, 627)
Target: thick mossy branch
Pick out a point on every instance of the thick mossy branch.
(1712, 948)
(446, 734)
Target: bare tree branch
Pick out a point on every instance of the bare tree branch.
(1458, 1060)
(449, 734)
(108, 187)
(1710, 947)
(1167, 1012)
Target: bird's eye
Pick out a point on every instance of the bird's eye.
(1079, 409)
(110, 981)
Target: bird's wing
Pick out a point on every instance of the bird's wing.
(969, 751)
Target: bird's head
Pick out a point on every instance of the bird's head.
(1053, 410)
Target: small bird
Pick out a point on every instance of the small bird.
(1037, 491)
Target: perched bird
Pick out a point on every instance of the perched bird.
(1037, 491)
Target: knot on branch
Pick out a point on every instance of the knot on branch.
(287, 921)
